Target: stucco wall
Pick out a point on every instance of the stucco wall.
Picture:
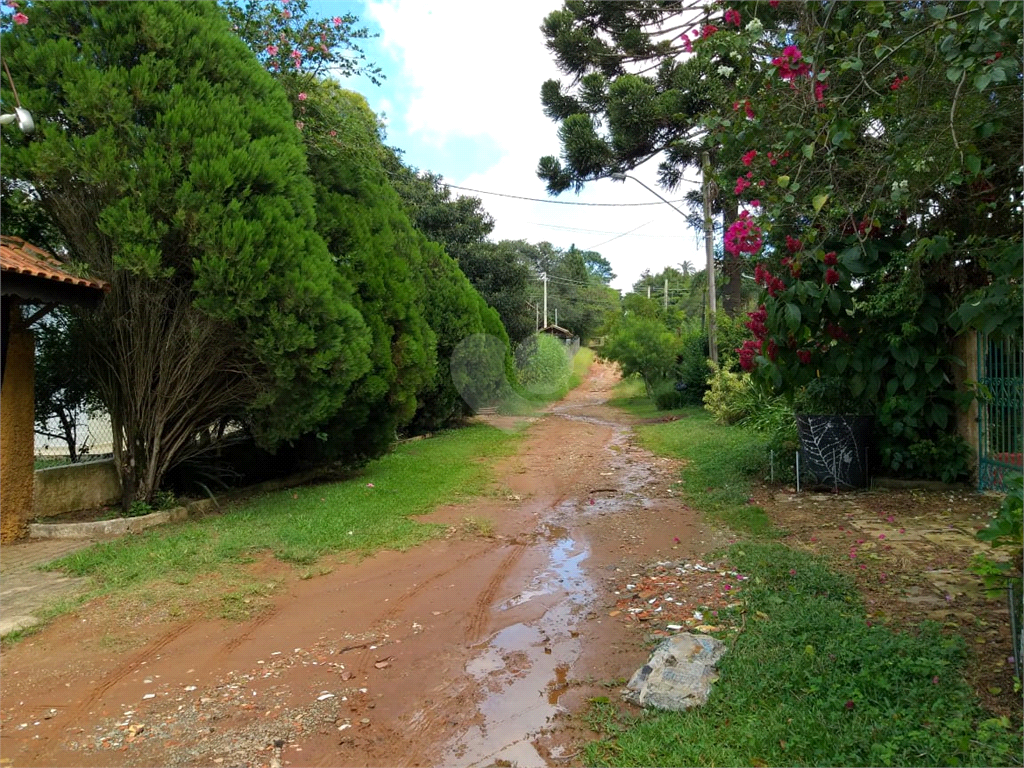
(76, 486)
(17, 419)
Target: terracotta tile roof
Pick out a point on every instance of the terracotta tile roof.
(19, 257)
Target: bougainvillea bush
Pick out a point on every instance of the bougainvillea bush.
(874, 149)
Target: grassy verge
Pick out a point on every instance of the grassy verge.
(809, 682)
(807, 679)
(360, 515)
(720, 462)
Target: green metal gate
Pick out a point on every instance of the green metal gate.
(1000, 411)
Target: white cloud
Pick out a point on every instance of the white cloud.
(474, 71)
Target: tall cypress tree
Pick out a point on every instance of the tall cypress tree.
(170, 164)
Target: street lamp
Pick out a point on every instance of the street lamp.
(709, 247)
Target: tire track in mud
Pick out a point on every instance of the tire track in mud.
(125, 668)
(399, 604)
(247, 633)
(484, 601)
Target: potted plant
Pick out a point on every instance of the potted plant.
(835, 432)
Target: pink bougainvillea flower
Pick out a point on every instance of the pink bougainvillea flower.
(336, 21)
(732, 16)
(741, 184)
(756, 203)
(831, 276)
(20, 18)
(272, 50)
(687, 45)
(708, 30)
(748, 158)
(302, 97)
(899, 81)
(728, 586)
(830, 259)
(296, 54)
(749, 110)
(793, 245)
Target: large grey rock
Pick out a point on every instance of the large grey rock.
(678, 675)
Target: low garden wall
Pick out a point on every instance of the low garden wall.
(72, 487)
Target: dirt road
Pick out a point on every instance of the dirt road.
(462, 652)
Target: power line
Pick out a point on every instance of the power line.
(553, 202)
(594, 231)
(593, 247)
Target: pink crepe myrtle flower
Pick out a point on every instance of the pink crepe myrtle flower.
(272, 50)
(20, 18)
(302, 97)
(336, 21)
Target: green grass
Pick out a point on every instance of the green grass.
(807, 680)
(810, 682)
(361, 515)
(721, 461)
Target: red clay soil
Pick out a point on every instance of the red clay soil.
(467, 650)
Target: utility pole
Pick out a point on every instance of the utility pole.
(537, 307)
(666, 296)
(709, 247)
(544, 277)
(648, 291)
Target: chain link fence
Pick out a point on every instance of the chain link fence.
(88, 437)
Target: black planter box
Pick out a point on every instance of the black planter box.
(835, 449)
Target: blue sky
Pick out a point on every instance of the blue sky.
(462, 99)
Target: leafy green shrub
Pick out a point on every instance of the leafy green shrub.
(643, 346)
(670, 395)
(1006, 529)
(727, 397)
(544, 367)
(691, 367)
(946, 458)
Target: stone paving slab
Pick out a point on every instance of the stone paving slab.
(25, 591)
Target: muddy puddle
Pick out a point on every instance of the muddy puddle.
(524, 668)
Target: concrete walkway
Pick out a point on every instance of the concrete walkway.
(25, 591)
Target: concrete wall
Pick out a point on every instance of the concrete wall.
(76, 486)
(966, 348)
(17, 427)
